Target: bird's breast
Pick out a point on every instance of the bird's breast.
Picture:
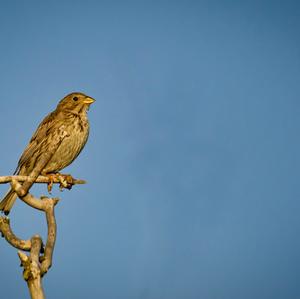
(71, 146)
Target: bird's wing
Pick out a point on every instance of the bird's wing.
(38, 140)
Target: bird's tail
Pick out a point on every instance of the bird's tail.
(8, 201)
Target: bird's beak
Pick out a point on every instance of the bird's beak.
(88, 100)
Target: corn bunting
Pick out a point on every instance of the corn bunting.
(71, 115)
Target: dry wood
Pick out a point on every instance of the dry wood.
(40, 179)
(39, 260)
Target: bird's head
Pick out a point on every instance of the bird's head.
(76, 102)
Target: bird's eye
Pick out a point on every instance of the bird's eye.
(75, 99)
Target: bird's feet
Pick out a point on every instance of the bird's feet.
(65, 181)
(52, 177)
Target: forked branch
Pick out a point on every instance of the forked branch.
(39, 260)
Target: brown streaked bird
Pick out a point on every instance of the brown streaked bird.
(71, 115)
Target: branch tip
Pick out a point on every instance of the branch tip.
(23, 257)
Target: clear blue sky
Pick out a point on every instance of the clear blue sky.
(193, 158)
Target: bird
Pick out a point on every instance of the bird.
(70, 116)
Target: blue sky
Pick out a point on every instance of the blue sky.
(193, 158)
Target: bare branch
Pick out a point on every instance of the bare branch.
(49, 204)
(29, 199)
(11, 238)
(32, 268)
(35, 266)
(40, 179)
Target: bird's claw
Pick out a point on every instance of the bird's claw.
(50, 184)
(65, 181)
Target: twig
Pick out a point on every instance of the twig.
(40, 179)
(49, 204)
(10, 236)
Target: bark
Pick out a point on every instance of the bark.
(40, 179)
(39, 260)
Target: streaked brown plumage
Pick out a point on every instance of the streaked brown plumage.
(71, 114)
